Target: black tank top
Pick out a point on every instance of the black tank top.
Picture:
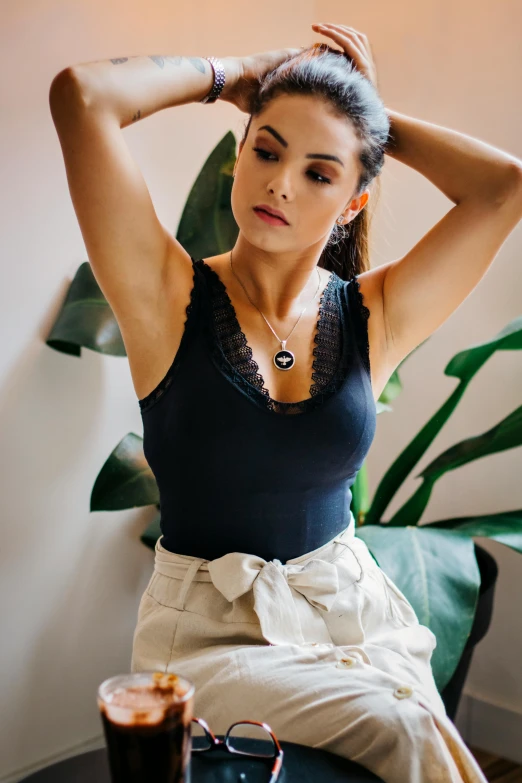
(238, 471)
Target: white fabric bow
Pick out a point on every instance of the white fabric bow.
(272, 582)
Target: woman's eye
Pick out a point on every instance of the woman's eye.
(261, 153)
(322, 180)
(314, 176)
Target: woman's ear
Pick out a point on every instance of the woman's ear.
(358, 203)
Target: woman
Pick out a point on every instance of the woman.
(257, 372)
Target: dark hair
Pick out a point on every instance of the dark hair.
(321, 70)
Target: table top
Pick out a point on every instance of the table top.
(300, 763)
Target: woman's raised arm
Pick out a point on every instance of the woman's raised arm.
(143, 271)
(132, 88)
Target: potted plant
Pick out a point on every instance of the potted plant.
(448, 579)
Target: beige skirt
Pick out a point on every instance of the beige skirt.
(325, 649)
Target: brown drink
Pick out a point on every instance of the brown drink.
(146, 718)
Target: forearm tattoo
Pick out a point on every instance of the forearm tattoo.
(160, 60)
(197, 63)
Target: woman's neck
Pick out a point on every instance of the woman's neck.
(280, 285)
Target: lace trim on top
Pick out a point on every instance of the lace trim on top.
(234, 356)
(362, 332)
(147, 402)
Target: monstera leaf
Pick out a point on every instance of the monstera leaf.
(504, 527)
(207, 226)
(507, 434)
(125, 480)
(86, 319)
(464, 366)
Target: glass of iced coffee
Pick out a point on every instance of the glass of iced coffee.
(147, 718)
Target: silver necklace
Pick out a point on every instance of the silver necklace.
(283, 359)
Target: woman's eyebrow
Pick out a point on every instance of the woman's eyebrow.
(282, 141)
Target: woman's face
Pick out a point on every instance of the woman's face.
(275, 167)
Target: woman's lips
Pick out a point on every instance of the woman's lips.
(274, 221)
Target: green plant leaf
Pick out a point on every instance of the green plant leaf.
(392, 389)
(394, 384)
(504, 527)
(125, 480)
(152, 533)
(207, 226)
(464, 366)
(360, 494)
(438, 573)
(86, 319)
(507, 434)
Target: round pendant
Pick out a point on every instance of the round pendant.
(284, 360)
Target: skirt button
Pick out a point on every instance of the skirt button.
(345, 663)
(403, 692)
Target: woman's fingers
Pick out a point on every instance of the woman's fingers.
(346, 32)
(350, 45)
(354, 44)
(342, 27)
(336, 29)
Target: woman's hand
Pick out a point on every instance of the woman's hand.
(243, 75)
(354, 44)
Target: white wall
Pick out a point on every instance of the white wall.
(71, 580)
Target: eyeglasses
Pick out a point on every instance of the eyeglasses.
(263, 741)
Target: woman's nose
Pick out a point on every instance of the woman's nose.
(280, 188)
